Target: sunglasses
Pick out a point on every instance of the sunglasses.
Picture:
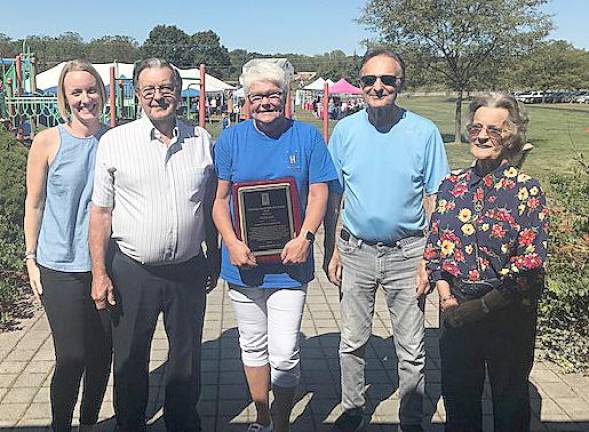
(387, 80)
(493, 132)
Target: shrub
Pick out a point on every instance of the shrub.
(564, 307)
(13, 158)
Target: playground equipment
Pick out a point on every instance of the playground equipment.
(20, 101)
(28, 97)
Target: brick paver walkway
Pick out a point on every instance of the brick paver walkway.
(559, 402)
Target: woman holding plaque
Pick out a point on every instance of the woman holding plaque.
(268, 292)
(485, 253)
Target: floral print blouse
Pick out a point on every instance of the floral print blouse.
(491, 227)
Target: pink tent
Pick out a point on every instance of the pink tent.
(344, 87)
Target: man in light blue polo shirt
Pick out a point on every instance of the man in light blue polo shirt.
(389, 162)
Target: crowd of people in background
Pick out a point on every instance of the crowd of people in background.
(337, 107)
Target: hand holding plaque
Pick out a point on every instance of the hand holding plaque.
(266, 216)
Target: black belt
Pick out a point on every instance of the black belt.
(346, 235)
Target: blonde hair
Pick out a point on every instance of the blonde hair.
(516, 123)
(73, 66)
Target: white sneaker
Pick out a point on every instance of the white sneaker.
(257, 427)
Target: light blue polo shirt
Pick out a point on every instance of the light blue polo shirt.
(384, 175)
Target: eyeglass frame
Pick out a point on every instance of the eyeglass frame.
(156, 88)
(268, 95)
(493, 132)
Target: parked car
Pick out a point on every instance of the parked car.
(531, 97)
(581, 97)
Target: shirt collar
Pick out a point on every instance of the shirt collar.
(154, 134)
(503, 170)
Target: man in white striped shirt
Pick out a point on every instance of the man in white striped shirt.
(152, 198)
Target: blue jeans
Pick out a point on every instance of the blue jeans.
(365, 267)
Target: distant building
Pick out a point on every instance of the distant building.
(282, 62)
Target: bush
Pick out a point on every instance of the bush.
(13, 157)
(564, 307)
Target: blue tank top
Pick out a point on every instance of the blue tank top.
(63, 237)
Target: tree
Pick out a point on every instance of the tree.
(554, 64)
(106, 49)
(336, 65)
(169, 43)
(462, 40)
(8, 48)
(53, 50)
(207, 49)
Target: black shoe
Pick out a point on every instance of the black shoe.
(348, 422)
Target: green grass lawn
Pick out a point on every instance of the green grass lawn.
(555, 130)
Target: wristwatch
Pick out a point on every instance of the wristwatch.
(309, 236)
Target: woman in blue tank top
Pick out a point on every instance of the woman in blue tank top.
(60, 175)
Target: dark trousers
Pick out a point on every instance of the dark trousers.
(142, 292)
(81, 336)
(503, 342)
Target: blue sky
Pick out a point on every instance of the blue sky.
(267, 26)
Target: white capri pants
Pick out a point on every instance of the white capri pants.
(269, 323)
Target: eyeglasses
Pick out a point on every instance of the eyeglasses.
(387, 80)
(494, 132)
(273, 97)
(166, 90)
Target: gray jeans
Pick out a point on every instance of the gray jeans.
(365, 267)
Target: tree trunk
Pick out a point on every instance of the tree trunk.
(458, 119)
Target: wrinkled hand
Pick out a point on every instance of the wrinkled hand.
(295, 251)
(334, 269)
(240, 255)
(467, 312)
(102, 291)
(448, 304)
(35, 279)
(422, 286)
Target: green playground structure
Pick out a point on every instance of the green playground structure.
(20, 101)
(24, 106)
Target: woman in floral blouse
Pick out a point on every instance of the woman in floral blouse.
(485, 254)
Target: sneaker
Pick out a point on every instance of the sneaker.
(348, 422)
(257, 427)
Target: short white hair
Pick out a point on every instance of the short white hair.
(263, 71)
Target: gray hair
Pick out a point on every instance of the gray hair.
(263, 71)
(154, 62)
(516, 123)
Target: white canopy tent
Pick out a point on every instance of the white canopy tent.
(311, 91)
(317, 85)
(49, 78)
(190, 77)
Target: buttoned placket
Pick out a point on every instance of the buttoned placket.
(171, 205)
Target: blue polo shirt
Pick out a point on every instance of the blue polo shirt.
(242, 153)
(384, 175)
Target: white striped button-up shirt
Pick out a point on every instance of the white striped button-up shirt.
(156, 191)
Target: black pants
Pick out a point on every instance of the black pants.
(81, 336)
(142, 292)
(504, 343)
